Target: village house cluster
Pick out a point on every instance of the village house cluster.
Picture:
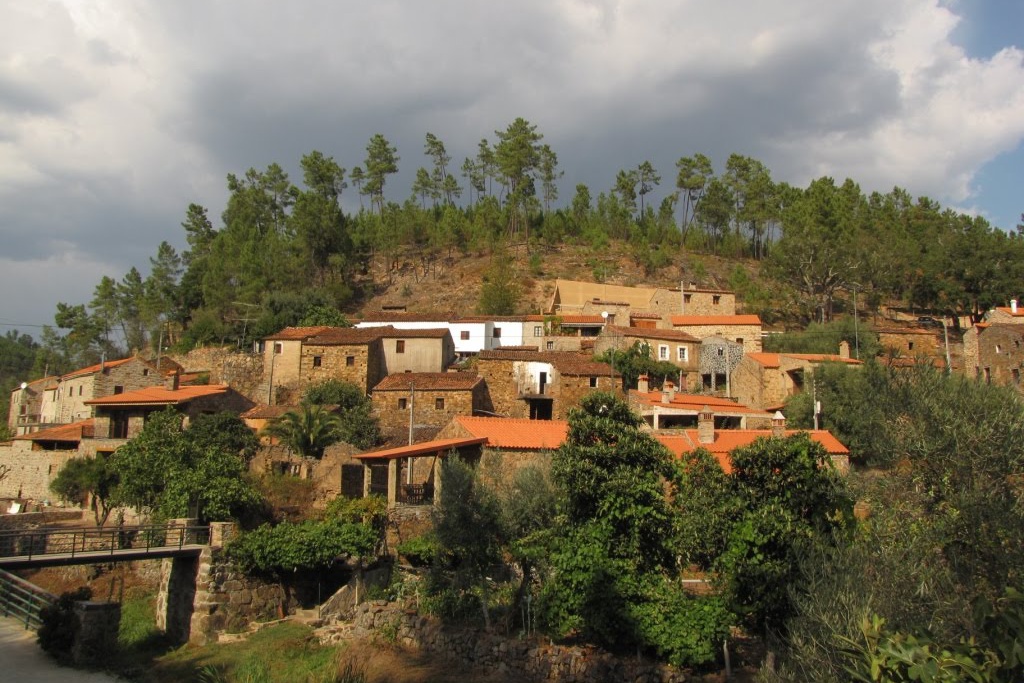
(490, 388)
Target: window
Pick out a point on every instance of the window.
(350, 361)
(999, 348)
(79, 389)
(686, 298)
(716, 299)
(538, 330)
(438, 404)
(662, 352)
(593, 382)
(682, 354)
(910, 347)
(118, 389)
(464, 335)
(278, 348)
(145, 372)
(497, 333)
(317, 361)
(400, 346)
(403, 403)
(721, 352)
(550, 346)
(1016, 375)
(988, 376)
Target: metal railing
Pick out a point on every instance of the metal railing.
(23, 600)
(95, 542)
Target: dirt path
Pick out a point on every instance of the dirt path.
(22, 661)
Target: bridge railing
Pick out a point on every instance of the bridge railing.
(23, 600)
(93, 541)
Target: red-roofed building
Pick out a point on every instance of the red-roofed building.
(619, 302)
(669, 409)
(680, 348)
(994, 353)
(721, 443)
(65, 399)
(123, 416)
(766, 380)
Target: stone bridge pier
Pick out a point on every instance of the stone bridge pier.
(179, 593)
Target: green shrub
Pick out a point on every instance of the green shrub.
(419, 551)
(59, 628)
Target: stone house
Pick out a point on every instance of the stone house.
(509, 443)
(423, 350)
(426, 401)
(1012, 314)
(673, 346)
(541, 385)
(742, 329)
(123, 416)
(33, 459)
(26, 407)
(470, 334)
(766, 380)
(65, 400)
(282, 353)
(720, 443)
(668, 409)
(622, 304)
(993, 353)
(911, 342)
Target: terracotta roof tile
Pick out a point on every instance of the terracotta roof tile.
(505, 432)
(426, 333)
(300, 333)
(76, 431)
(653, 333)
(774, 360)
(727, 440)
(96, 368)
(688, 320)
(438, 447)
(433, 381)
(265, 412)
(489, 318)
(159, 396)
(566, 362)
(696, 403)
(347, 336)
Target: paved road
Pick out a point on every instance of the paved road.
(22, 660)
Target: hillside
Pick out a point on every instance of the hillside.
(455, 284)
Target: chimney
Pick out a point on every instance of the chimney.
(1013, 306)
(844, 349)
(706, 426)
(173, 380)
(779, 421)
(643, 384)
(668, 391)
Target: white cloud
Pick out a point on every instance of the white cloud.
(114, 115)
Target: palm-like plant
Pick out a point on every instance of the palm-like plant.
(307, 430)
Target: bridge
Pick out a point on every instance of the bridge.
(32, 548)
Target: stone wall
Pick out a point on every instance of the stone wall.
(359, 364)
(527, 659)
(573, 388)
(431, 407)
(30, 471)
(228, 600)
(243, 372)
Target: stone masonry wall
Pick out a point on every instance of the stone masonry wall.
(530, 659)
(227, 600)
(30, 472)
(426, 413)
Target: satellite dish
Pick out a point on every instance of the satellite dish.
(24, 386)
(604, 314)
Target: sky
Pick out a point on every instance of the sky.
(116, 114)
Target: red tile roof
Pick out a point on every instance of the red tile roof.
(696, 403)
(404, 317)
(686, 320)
(346, 336)
(566, 362)
(159, 396)
(76, 431)
(680, 445)
(489, 318)
(653, 333)
(506, 432)
(1009, 311)
(300, 333)
(727, 440)
(438, 447)
(96, 368)
(905, 330)
(433, 381)
(426, 333)
(265, 412)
